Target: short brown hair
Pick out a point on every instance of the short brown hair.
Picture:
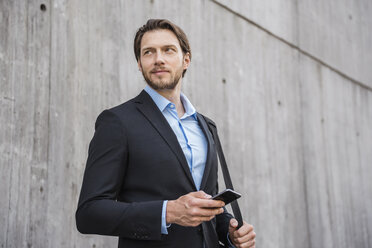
(154, 24)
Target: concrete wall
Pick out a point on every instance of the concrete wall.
(288, 83)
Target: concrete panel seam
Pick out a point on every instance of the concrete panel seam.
(304, 169)
(50, 75)
(365, 86)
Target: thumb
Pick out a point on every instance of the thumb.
(233, 224)
(202, 194)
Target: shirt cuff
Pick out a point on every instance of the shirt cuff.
(229, 244)
(164, 225)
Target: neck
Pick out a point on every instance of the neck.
(174, 96)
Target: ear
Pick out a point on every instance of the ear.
(186, 61)
(139, 65)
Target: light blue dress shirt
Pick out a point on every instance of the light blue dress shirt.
(189, 135)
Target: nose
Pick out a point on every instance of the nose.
(159, 59)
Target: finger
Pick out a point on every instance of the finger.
(246, 238)
(243, 230)
(207, 212)
(232, 228)
(195, 221)
(233, 223)
(213, 204)
(206, 203)
(241, 240)
(251, 243)
(200, 194)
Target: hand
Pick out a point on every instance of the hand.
(244, 236)
(192, 209)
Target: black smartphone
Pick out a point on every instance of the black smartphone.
(227, 196)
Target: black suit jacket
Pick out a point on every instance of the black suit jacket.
(135, 163)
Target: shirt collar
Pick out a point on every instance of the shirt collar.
(189, 108)
(162, 103)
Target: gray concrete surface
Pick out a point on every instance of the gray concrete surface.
(335, 32)
(336, 131)
(294, 110)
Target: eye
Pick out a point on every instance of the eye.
(147, 52)
(169, 50)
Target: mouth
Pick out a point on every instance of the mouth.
(159, 72)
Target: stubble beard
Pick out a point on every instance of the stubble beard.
(164, 84)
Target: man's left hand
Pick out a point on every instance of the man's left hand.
(244, 236)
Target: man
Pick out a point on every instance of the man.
(152, 164)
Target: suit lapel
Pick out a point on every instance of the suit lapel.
(211, 150)
(152, 113)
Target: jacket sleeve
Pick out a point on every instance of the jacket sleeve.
(222, 226)
(98, 210)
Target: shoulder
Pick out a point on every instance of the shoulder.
(117, 113)
(126, 109)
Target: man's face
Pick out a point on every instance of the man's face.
(161, 59)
